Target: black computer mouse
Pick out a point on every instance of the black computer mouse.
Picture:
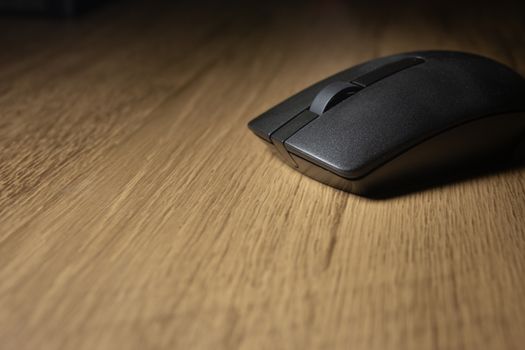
(399, 119)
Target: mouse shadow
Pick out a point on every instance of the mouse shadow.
(445, 179)
(404, 184)
(440, 179)
(425, 181)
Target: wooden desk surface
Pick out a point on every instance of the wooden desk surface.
(138, 212)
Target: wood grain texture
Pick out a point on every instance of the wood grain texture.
(138, 212)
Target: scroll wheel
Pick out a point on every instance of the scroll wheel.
(331, 95)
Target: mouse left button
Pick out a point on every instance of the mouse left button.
(280, 136)
(274, 118)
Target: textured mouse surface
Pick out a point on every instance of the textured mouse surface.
(397, 112)
(274, 118)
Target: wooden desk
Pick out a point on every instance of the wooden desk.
(138, 212)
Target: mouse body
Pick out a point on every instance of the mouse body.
(394, 120)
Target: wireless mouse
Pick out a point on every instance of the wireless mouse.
(398, 119)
